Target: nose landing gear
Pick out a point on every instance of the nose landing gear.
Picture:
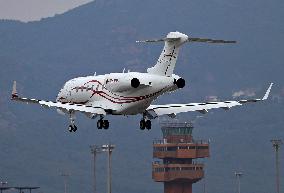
(72, 127)
(102, 123)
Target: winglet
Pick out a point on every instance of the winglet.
(14, 91)
(267, 92)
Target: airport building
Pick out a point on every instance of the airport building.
(177, 152)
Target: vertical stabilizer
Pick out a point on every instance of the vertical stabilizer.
(167, 60)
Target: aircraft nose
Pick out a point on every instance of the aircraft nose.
(62, 94)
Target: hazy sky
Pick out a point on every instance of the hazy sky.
(29, 10)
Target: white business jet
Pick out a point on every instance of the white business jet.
(131, 93)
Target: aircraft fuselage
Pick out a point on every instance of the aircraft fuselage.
(124, 93)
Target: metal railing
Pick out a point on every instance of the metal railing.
(176, 124)
(161, 163)
(166, 168)
(164, 141)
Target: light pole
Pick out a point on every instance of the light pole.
(276, 145)
(94, 150)
(204, 184)
(65, 176)
(108, 148)
(204, 181)
(239, 175)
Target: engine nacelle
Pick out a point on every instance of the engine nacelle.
(135, 82)
(120, 82)
(179, 82)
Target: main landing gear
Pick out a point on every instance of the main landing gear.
(145, 124)
(102, 123)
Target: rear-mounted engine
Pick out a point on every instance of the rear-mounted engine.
(179, 82)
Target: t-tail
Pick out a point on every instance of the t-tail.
(167, 60)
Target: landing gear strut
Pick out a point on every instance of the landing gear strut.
(102, 123)
(72, 127)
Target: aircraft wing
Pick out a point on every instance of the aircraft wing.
(154, 111)
(64, 106)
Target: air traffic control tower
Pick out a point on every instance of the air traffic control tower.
(178, 150)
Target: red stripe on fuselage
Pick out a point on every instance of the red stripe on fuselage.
(109, 91)
(122, 99)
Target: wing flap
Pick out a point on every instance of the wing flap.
(75, 107)
(190, 107)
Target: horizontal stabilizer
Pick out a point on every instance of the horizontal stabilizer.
(201, 40)
(175, 36)
(168, 57)
(158, 40)
(206, 40)
(146, 41)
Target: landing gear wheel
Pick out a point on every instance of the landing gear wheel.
(105, 124)
(70, 128)
(100, 124)
(142, 124)
(74, 128)
(148, 124)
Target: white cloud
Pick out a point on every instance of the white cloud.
(30, 10)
